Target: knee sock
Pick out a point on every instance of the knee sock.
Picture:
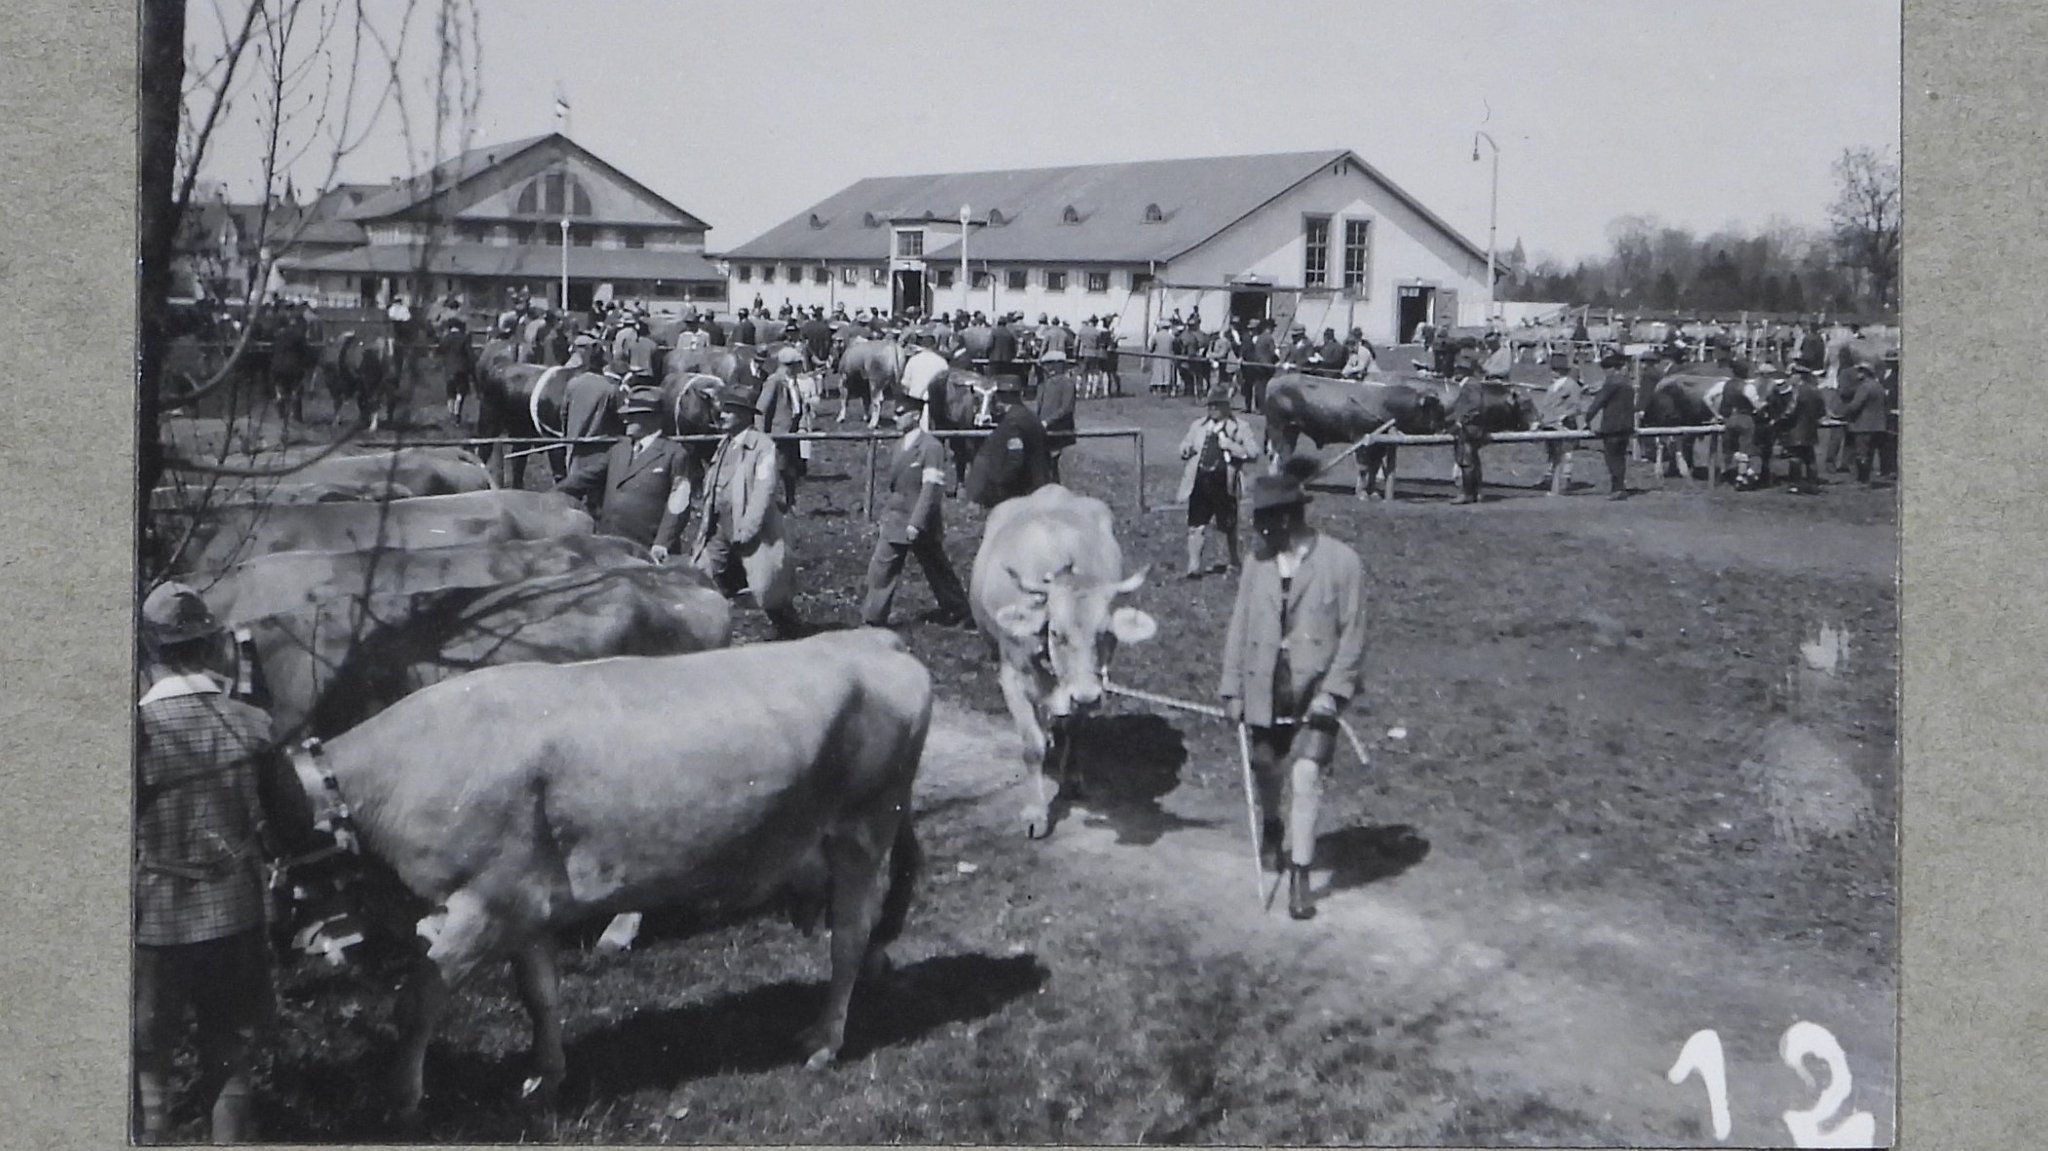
(1306, 787)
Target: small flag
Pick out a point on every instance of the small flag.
(561, 108)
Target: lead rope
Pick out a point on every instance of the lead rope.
(1358, 747)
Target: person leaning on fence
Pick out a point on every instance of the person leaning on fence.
(912, 493)
(740, 533)
(1864, 412)
(1013, 460)
(1216, 448)
(643, 492)
(1611, 415)
(200, 891)
(782, 411)
(1292, 659)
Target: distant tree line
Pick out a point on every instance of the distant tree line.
(1849, 266)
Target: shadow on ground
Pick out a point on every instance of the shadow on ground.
(1357, 856)
(1128, 764)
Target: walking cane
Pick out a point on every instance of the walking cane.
(1251, 810)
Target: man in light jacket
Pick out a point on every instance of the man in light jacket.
(1292, 659)
(1216, 448)
(739, 538)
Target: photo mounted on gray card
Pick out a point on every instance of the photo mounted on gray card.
(1018, 573)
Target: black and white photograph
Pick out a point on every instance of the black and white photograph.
(1315, 574)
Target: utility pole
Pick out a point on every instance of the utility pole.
(1492, 217)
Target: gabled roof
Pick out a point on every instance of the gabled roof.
(412, 193)
(1108, 205)
(526, 261)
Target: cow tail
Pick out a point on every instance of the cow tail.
(906, 863)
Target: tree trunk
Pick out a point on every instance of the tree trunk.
(160, 79)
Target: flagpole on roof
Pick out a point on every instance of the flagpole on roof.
(562, 126)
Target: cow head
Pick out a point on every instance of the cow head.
(1077, 629)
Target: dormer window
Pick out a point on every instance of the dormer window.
(1070, 215)
(1153, 215)
(996, 219)
(817, 221)
(870, 220)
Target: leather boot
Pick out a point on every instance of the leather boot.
(1300, 903)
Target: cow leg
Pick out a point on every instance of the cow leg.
(1363, 485)
(858, 863)
(459, 936)
(1038, 805)
(540, 991)
(1387, 490)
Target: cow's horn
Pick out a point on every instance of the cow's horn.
(1033, 587)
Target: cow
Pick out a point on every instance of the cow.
(1689, 396)
(1043, 588)
(1331, 411)
(869, 370)
(213, 539)
(506, 821)
(966, 400)
(288, 581)
(309, 476)
(323, 668)
(190, 496)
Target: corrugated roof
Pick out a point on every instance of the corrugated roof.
(413, 191)
(525, 262)
(1110, 204)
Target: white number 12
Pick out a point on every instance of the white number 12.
(1801, 1041)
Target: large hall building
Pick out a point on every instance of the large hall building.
(1320, 238)
(488, 226)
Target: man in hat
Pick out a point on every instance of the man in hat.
(782, 413)
(1798, 429)
(1013, 460)
(913, 490)
(199, 893)
(458, 365)
(1002, 351)
(1292, 659)
(1259, 361)
(640, 352)
(1563, 400)
(922, 373)
(1888, 446)
(739, 538)
(743, 330)
(816, 337)
(1864, 413)
(1216, 448)
(1165, 341)
(1611, 415)
(1057, 397)
(590, 412)
(643, 493)
(1467, 417)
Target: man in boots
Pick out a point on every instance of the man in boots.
(1611, 415)
(1216, 448)
(1292, 659)
(199, 884)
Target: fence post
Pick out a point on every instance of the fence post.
(1138, 455)
(868, 501)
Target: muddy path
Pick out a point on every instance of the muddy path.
(1581, 1002)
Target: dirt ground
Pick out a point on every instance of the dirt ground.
(1633, 777)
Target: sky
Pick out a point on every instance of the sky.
(1704, 114)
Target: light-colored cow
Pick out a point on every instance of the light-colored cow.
(227, 535)
(1043, 589)
(517, 801)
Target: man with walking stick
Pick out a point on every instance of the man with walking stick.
(1291, 660)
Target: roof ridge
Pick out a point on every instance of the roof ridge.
(1320, 154)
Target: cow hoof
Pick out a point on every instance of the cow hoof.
(820, 1059)
(1037, 822)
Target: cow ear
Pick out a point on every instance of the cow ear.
(1022, 620)
(1129, 625)
(1132, 582)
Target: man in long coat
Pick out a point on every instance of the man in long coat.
(781, 410)
(1799, 429)
(1057, 397)
(643, 493)
(1864, 412)
(1013, 460)
(590, 411)
(739, 538)
(1611, 415)
(1292, 659)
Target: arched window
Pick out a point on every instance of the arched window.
(996, 219)
(554, 194)
(1153, 215)
(529, 199)
(1070, 216)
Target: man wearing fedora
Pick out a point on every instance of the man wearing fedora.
(1291, 660)
(913, 490)
(1799, 429)
(739, 538)
(782, 411)
(1863, 410)
(1013, 461)
(1216, 448)
(1611, 415)
(199, 879)
(590, 407)
(643, 493)
(1467, 415)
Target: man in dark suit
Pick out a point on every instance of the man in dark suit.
(1864, 412)
(912, 492)
(1799, 429)
(1002, 351)
(1611, 415)
(1056, 398)
(643, 491)
(1013, 460)
(781, 412)
(817, 339)
(1259, 359)
(743, 331)
(589, 412)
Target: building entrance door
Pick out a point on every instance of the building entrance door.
(906, 291)
(1248, 306)
(1412, 307)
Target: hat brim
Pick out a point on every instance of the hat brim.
(182, 633)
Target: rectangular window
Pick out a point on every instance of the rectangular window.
(552, 237)
(746, 273)
(910, 245)
(980, 280)
(878, 276)
(1015, 279)
(1357, 255)
(580, 237)
(1141, 281)
(795, 274)
(849, 276)
(821, 275)
(1315, 252)
(767, 273)
(636, 239)
(1098, 281)
(1055, 281)
(944, 278)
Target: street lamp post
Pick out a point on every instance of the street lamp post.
(965, 287)
(1492, 217)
